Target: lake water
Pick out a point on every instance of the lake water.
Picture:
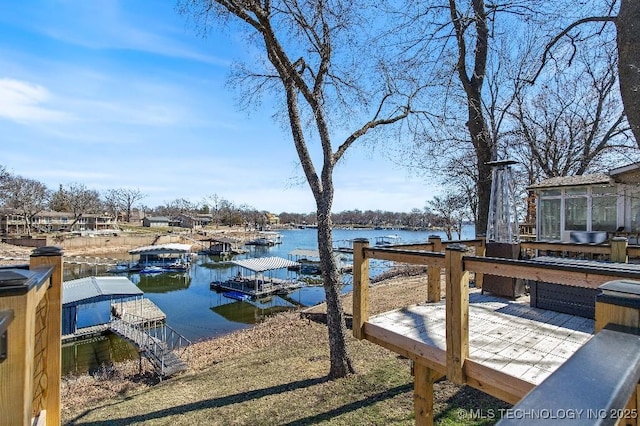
(197, 312)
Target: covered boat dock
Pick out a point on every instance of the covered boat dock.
(170, 256)
(84, 291)
(255, 277)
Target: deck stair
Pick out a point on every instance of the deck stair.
(157, 341)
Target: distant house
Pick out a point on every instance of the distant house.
(136, 217)
(589, 208)
(12, 222)
(273, 219)
(155, 221)
(193, 221)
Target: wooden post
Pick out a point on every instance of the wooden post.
(423, 380)
(16, 372)
(619, 250)
(360, 287)
(481, 250)
(433, 273)
(619, 303)
(457, 312)
(52, 256)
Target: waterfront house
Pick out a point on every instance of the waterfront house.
(193, 221)
(589, 208)
(12, 222)
(155, 221)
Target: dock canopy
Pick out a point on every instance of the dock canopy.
(76, 293)
(265, 263)
(95, 289)
(162, 249)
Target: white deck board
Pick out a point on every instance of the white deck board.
(521, 341)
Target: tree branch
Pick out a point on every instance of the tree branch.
(563, 33)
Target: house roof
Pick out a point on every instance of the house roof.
(162, 249)
(157, 219)
(265, 263)
(75, 291)
(560, 181)
(629, 174)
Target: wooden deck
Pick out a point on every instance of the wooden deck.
(511, 337)
(142, 308)
(498, 346)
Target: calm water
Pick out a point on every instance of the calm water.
(197, 312)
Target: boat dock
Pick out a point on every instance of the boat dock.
(144, 309)
(248, 287)
(255, 277)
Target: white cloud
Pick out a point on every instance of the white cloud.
(26, 102)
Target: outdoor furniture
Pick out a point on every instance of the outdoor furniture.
(574, 300)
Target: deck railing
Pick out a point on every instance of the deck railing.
(458, 264)
(30, 340)
(617, 250)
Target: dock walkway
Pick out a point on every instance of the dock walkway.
(165, 361)
(85, 333)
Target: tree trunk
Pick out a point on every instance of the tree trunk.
(628, 31)
(483, 145)
(341, 364)
(484, 190)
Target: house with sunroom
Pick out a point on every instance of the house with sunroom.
(589, 208)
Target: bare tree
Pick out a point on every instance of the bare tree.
(124, 199)
(570, 123)
(474, 54)
(627, 48)
(214, 202)
(177, 207)
(81, 200)
(449, 212)
(322, 67)
(27, 196)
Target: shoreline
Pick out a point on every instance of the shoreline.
(125, 377)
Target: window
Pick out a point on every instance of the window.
(575, 209)
(550, 219)
(575, 214)
(604, 211)
(635, 212)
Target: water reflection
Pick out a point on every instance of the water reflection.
(246, 312)
(162, 283)
(90, 355)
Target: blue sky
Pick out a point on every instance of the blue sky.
(124, 94)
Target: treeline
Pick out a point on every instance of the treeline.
(28, 197)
